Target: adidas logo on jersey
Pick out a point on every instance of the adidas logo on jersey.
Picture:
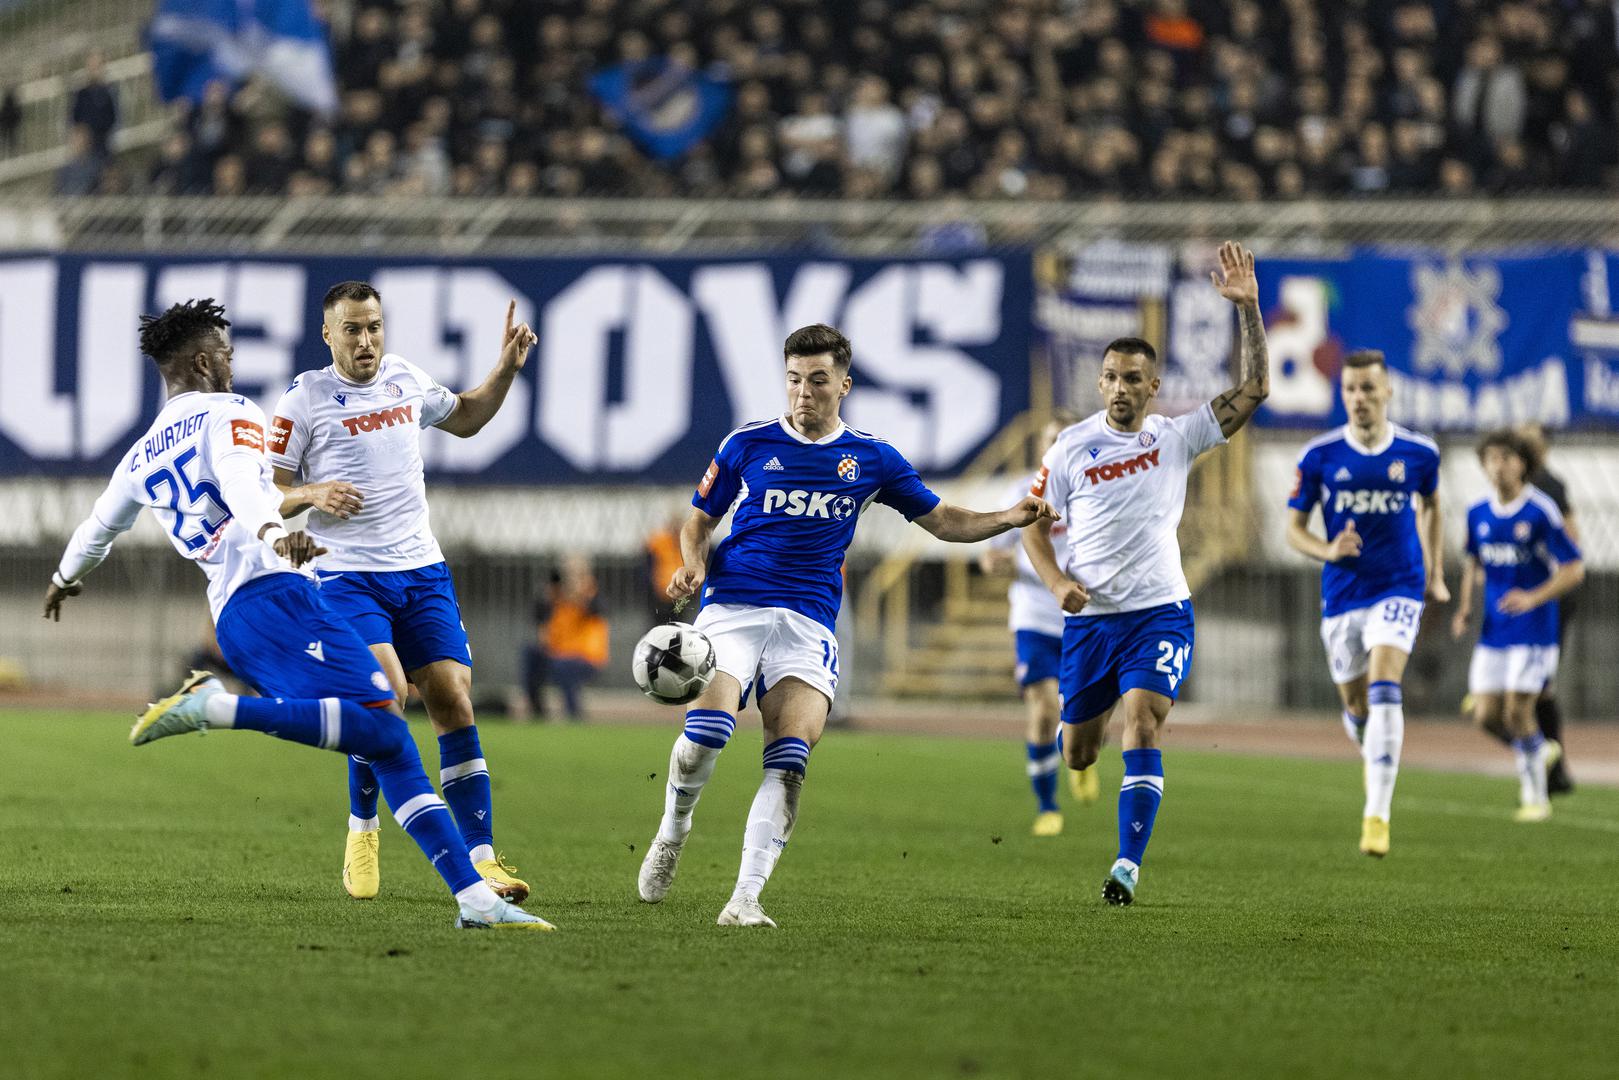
(775, 465)
(1342, 474)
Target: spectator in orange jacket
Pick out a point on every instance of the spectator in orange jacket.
(570, 647)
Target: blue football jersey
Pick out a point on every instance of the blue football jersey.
(1372, 488)
(795, 505)
(1518, 545)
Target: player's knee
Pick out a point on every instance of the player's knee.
(389, 734)
(1079, 754)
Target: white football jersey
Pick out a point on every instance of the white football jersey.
(201, 468)
(1033, 606)
(1122, 494)
(328, 428)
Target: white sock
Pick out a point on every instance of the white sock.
(770, 826)
(1530, 753)
(220, 710)
(371, 824)
(480, 898)
(1385, 734)
(690, 766)
(481, 853)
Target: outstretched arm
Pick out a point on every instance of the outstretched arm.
(114, 513)
(1237, 283)
(477, 407)
(958, 525)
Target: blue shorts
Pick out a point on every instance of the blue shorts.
(415, 611)
(1105, 655)
(279, 637)
(1039, 657)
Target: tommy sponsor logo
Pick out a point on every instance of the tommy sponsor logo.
(317, 650)
(280, 434)
(399, 414)
(247, 433)
(814, 504)
(1097, 474)
(775, 465)
(1370, 502)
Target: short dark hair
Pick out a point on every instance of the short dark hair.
(172, 336)
(349, 290)
(816, 339)
(1133, 346)
(1510, 441)
(1364, 358)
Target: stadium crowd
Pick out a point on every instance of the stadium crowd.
(1040, 99)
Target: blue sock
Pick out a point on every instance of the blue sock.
(1142, 791)
(790, 754)
(710, 727)
(363, 789)
(422, 814)
(1043, 761)
(465, 780)
(329, 723)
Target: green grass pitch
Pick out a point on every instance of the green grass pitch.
(176, 911)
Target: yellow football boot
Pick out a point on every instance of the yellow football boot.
(362, 869)
(502, 877)
(1533, 812)
(1047, 823)
(1084, 784)
(1374, 837)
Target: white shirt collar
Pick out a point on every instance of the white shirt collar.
(822, 441)
(1368, 451)
(1506, 510)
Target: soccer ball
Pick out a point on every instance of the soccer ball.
(673, 663)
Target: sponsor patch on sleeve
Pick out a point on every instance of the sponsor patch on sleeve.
(247, 433)
(1298, 483)
(280, 432)
(1038, 488)
(709, 478)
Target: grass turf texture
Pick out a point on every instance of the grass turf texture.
(176, 911)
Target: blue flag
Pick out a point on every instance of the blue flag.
(196, 42)
(664, 107)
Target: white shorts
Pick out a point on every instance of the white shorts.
(1521, 669)
(1351, 636)
(770, 643)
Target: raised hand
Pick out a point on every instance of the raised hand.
(1346, 545)
(1235, 280)
(516, 341)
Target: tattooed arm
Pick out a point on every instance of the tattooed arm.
(1237, 283)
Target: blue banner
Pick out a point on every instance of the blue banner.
(642, 366)
(1472, 342)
